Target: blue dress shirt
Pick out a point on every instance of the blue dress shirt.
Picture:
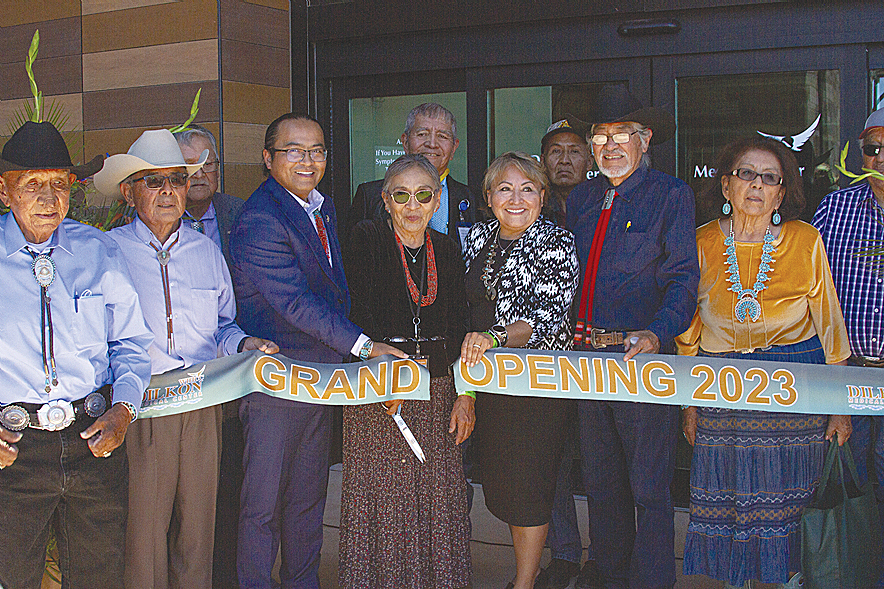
(439, 220)
(210, 224)
(203, 307)
(648, 270)
(99, 330)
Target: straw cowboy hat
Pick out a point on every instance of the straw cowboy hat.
(39, 146)
(153, 150)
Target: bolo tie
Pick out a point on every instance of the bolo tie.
(163, 256)
(195, 224)
(44, 273)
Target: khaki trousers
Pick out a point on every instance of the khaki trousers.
(173, 480)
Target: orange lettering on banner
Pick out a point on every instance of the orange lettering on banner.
(275, 380)
(398, 366)
(568, 371)
(535, 371)
(311, 377)
(668, 383)
(756, 395)
(787, 384)
(724, 387)
(708, 375)
(338, 384)
(599, 375)
(367, 379)
(615, 373)
(486, 376)
(517, 368)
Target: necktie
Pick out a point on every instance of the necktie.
(584, 312)
(195, 224)
(323, 236)
(44, 273)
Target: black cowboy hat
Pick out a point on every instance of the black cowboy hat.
(615, 104)
(39, 146)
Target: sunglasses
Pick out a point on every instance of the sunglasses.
(402, 197)
(619, 138)
(767, 178)
(872, 150)
(154, 181)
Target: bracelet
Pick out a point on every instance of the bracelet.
(494, 337)
(500, 334)
(241, 345)
(468, 394)
(365, 351)
(133, 411)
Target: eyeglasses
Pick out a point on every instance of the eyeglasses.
(872, 150)
(422, 196)
(154, 181)
(619, 138)
(767, 178)
(296, 154)
(210, 167)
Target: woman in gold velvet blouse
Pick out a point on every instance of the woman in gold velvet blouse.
(765, 293)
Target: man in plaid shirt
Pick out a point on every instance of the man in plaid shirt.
(847, 219)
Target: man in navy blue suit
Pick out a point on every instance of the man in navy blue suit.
(289, 278)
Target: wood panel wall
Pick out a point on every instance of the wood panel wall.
(119, 67)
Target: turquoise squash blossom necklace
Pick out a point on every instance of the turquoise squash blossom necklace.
(747, 304)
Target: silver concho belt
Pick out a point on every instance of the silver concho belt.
(53, 416)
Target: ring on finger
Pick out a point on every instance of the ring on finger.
(477, 345)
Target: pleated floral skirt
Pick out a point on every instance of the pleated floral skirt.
(752, 474)
(404, 524)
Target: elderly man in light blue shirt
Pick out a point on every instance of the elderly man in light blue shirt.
(71, 327)
(187, 298)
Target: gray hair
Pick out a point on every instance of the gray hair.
(406, 162)
(431, 110)
(187, 135)
(643, 132)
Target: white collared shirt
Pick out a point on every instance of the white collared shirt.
(313, 203)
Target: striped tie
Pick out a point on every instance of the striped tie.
(323, 236)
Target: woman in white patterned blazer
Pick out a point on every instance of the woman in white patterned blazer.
(522, 273)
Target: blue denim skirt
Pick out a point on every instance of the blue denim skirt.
(752, 474)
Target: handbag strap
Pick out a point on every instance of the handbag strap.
(851, 465)
(831, 455)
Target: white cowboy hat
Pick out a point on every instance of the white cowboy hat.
(154, 149)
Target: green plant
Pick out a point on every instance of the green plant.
(842, 167)
(194, 109)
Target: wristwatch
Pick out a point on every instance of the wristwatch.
(499, 333)
(365, 351)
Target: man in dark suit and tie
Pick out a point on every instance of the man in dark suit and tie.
(207, 211)
(430, 130)
(289, 277)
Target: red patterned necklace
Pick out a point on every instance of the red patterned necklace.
(432, 279)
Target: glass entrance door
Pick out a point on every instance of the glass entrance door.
(801, 97)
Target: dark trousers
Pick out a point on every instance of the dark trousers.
(867, 446)
(227, 508)
(283, 491)
(57, 482)
(628, 453)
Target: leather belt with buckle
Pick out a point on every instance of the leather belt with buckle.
(867, 361)
(602, 338)
(54, 415)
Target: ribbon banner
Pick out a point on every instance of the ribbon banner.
(677, 380)
(232, 377)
